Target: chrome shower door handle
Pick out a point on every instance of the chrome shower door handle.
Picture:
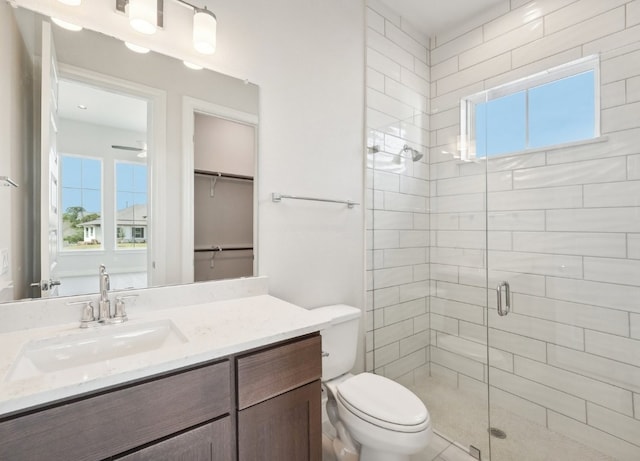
(507, 295)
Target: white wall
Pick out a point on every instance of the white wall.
(397, 197)
(16, 118)
(563, 227)
(308, 58)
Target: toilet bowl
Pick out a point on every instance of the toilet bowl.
(374, 415)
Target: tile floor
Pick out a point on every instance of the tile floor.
(463, 417)
(440, 449)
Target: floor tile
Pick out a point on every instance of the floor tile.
(453, 453)
(436, 446)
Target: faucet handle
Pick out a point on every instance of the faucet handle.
(88, 316)
(120, 314)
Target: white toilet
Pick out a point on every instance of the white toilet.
(386, 420)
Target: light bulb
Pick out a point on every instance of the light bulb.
(143, 15)
(67, 25)
(136, 48)
(204, 31)
(191, 65)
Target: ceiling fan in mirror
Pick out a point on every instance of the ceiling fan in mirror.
(141, 149)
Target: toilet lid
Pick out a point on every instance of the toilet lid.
(381, 400)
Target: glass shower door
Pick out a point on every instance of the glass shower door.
(563, 274)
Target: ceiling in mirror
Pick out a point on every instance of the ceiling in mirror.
(93, 105)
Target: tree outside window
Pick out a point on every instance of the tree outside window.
(81, 197)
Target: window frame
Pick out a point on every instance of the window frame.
(134, 230)
(61, 247)
(466, 144)
(115, 203)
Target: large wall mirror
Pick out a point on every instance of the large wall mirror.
(109, 162)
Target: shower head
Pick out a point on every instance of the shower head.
(415, 155)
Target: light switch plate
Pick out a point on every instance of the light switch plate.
(4, 261)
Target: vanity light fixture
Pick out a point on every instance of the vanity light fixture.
(67, 25)
(136, 48)
(71, 2)
(146, 16)
(204, 30)
(142, 15)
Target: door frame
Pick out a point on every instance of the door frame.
(191, 106)
(156, 163)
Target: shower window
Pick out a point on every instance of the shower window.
(554, 107)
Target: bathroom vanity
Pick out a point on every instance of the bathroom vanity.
(243, 383)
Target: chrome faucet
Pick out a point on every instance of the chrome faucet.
(104, 306)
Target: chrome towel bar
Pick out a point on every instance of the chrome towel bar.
(8, 181)
(278, 198)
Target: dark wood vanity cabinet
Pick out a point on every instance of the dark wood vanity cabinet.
(279, 402)
(287, 427)
(106, 424)
(211, 442)
(264, 405)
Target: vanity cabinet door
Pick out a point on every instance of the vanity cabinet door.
(279, 402)
(287, 427)
(211, 442)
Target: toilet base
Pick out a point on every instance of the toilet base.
(369, 454)
(334, 450)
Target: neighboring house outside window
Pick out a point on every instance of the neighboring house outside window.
(131, 205)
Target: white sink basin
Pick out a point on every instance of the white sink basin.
(88, 353)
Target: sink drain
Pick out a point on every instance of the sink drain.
(497, 433)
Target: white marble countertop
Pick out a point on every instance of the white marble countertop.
(208, 331)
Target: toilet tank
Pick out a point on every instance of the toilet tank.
(339, 339)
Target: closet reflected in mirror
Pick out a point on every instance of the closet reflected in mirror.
(224, 162)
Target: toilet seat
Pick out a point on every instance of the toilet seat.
(383, 403)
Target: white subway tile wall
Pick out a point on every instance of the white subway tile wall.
(398, 95)
(563, 223)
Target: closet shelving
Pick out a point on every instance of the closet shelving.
(223, 218)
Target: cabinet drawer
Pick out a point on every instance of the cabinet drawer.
(267, 373)
(113, 422)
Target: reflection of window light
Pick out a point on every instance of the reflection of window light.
(550, 108)
(531, 13)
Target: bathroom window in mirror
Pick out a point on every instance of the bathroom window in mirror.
(81, 224)
(131, 205)
(551, 108)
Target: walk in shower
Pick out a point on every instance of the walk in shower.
(504, 265)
